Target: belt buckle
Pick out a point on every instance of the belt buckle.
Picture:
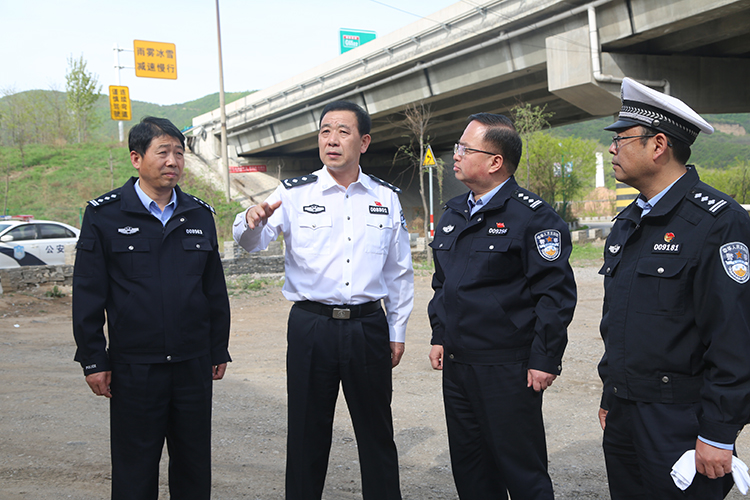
(339, 313)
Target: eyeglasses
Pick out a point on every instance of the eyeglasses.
(460, 150)
(616, 139)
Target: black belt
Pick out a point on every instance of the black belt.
(339, 311)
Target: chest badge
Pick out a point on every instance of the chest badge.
(498, 230)
(613, 249)
(378, 208)
(314, 209)
(669, 237)
(736, 261)
(194, 231)
(548, 242)
(448, 229)
(128, 230)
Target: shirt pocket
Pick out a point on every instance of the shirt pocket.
(132, 255)
(659, 286)
(378, 232)
(196, 254)
(313, 234)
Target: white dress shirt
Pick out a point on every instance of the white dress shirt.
(343, 245)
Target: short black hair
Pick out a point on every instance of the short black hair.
(502, 136)
(680, 150)
(363, 118)
(140, 136)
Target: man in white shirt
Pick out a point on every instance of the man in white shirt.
(347, 248)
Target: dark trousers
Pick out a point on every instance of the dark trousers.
(151, 403)
(642, 441)
(322, 353)
(495, 432)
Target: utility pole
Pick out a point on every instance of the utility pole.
(224, 158)
(117, 49)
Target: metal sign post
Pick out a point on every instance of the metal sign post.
(429, 161)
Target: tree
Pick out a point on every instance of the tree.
(16, 119)
(82, 90)
(528, 121)
(733, 180)
(417, 121)
(57, 120)
(559, 168)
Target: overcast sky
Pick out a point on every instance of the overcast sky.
(264, 41)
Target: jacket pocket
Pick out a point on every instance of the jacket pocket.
(196, 254)
(659, 285)
(132, 256)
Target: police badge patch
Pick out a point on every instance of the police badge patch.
(19, 252)
(314, 208)
(548, 243)
(736, 261)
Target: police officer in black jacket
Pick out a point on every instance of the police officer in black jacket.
(147, 259)
(504, 296)
(675, 324)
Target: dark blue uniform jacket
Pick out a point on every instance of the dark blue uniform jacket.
(162, 287)
(503, 285)
(676, 318)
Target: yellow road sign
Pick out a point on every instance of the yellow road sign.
(119, 103)
(429, 158)
(155, 59)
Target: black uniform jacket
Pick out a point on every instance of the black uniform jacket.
(503, 287)
(162, 287)
(676, 319)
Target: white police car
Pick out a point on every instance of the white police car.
(32, 242)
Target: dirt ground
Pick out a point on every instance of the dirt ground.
(54, 440)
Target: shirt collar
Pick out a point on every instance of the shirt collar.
(484, 199)
(147, 201)
(327, 181)
(648, 205)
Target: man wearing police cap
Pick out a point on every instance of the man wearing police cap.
(676, 367)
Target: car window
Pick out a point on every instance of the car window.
(25, 232)
(54, 231)
(3, 226)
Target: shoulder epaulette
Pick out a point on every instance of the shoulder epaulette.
(527, 198)
(105, 198)
(203, 203)
(299, 181)
(707, 200)
(386, 184)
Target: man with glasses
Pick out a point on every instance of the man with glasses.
(676, 367)
(504, 296)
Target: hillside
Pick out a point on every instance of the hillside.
(180, 114)
(45, 103)
(729, 143)
(59, 180)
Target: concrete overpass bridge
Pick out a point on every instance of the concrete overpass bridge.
(489, 55)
